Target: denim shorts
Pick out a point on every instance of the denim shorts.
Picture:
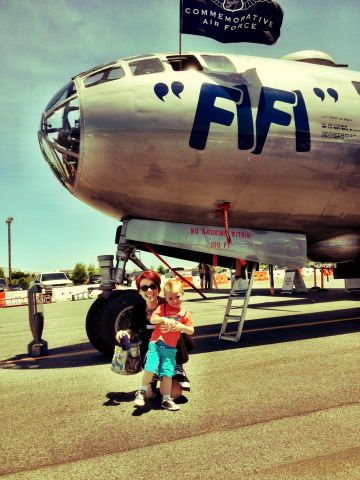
(160, 359)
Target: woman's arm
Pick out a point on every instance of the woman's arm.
(133, 326)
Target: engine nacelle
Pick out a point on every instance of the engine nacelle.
(342, 248)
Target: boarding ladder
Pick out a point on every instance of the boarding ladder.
(238, 302)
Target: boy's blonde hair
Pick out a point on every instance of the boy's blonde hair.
(173, 286)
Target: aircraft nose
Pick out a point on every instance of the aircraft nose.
(59, 134)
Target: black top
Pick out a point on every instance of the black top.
(138, 325)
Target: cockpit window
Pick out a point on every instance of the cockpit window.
(219, 63)
(59, 134)
(184, 62)
(144, 67)
(61, 95)
(107, 75)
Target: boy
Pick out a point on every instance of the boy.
(170, 320)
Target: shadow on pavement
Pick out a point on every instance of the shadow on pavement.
(77, 355)
(287, 328)
(116, 398)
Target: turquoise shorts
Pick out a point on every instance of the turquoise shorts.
(160, 359)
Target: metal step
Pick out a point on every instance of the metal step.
(232, 317)
(230, 337)
(237, 293)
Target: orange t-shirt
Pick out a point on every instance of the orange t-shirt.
(170, 338)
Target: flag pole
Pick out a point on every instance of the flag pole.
(180, 25)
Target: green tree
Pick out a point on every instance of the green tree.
(18, 274)
(25, 282)
(92, 269)
(79, 275)
(161, 270)
(2, 273)
(22, 279)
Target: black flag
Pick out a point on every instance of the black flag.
(255, 21)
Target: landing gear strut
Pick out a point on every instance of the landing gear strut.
(111, 311)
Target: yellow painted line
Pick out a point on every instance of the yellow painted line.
(199, 337)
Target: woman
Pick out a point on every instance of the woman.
(148, 285)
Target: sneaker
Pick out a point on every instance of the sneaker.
(185, 384)
(179, 370)
(140, 399)
(181, 377)
(169, 404)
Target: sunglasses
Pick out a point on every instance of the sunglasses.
(145, 288)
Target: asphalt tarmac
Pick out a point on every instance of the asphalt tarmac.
(282, 404)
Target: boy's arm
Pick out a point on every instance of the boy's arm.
(156, 317)
(189, 329)
(185, 323)
(167, 322)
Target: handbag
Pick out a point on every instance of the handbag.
(182, 355)
(133, 362)
(188, 341)
(118, 360)
(184, 346)
(126, 362)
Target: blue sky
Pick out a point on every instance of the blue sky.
(44, 43)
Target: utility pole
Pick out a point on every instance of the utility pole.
(9, 220)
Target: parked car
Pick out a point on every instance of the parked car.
(14, 288)
(224, 271)
(93, 279)
(3, 285)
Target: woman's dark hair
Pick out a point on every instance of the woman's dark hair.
(149, 275)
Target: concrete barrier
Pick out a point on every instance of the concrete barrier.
(79, 292)
(13, 299)
(261, 275)
(58, 294)
(221, 279)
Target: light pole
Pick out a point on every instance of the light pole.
(9, 220)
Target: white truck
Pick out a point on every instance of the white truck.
(53, 279)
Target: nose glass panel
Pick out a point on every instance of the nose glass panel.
(59, 134)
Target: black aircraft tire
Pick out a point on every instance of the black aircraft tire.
(94, 324)
(103, 318)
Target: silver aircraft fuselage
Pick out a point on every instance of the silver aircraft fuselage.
(279, 140)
